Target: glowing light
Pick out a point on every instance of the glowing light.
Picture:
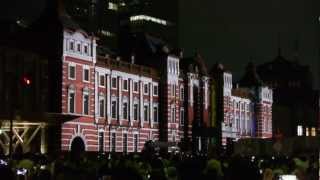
(26, 80)
(148, 18)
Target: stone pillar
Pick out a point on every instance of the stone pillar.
(130, 101)
(141, 103)
(108, 98)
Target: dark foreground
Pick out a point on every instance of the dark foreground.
(151, 165)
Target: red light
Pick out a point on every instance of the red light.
(26, 80)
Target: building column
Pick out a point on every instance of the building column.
(141, 103)
(151, 105)
(120, 99)
(96, 100)
(130, 101)
(108, 98)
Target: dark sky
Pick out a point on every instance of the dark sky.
(235, 32)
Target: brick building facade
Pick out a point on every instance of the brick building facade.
(120, 105)
(245, 111)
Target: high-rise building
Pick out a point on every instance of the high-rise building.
(116, 22)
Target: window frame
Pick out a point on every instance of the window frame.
(181, 93)
(71, 45)
(71, 91)
(101, 98)
(69, 71)
(114, 112)
(135, 112)
(125, 111)
(102, 76)
(145, 87)
(100, 142)
(113, 142)
(114, 85)
(125, 84)
(155, 90)
(135, 142)
(84, 69)
(125, 143)
(78, 48)
(155, 114)
(135, 87)
(86, 49)
(85, 94)
(146, 113)
(182, 117)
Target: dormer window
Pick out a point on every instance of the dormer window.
(85, 49)
(79, 47)
(71, 45)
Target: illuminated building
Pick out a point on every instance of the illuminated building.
(244, 111)
(106, 103)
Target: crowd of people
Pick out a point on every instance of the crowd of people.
(154, 165)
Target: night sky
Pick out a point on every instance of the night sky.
(235, 32)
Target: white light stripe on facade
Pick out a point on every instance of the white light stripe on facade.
(148, 18)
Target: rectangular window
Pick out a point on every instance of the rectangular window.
(125, 143)
(85, 49)
(71, 45)
(313, 131)
(114, 83)
(182, 116)
(71, 102)
(113, 142)
(125, 110)
(155, 114)
(125, 84)
(146, 90)
(173, 115)
(181, 93)
(155, 90)
(86, 75)
(101, 107)
(86, 104)
(114, 109)
(135, 141)
(145, 110)
(72, 72)
(135, 111)
(101, 141)
(79, 47)
(299, 130)
(173, 90)
(307, 132)
(135, 86)
(101, 80)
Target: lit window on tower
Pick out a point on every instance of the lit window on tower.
(299, 130)
(313, 131)
(112, 6)
(307, 131)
